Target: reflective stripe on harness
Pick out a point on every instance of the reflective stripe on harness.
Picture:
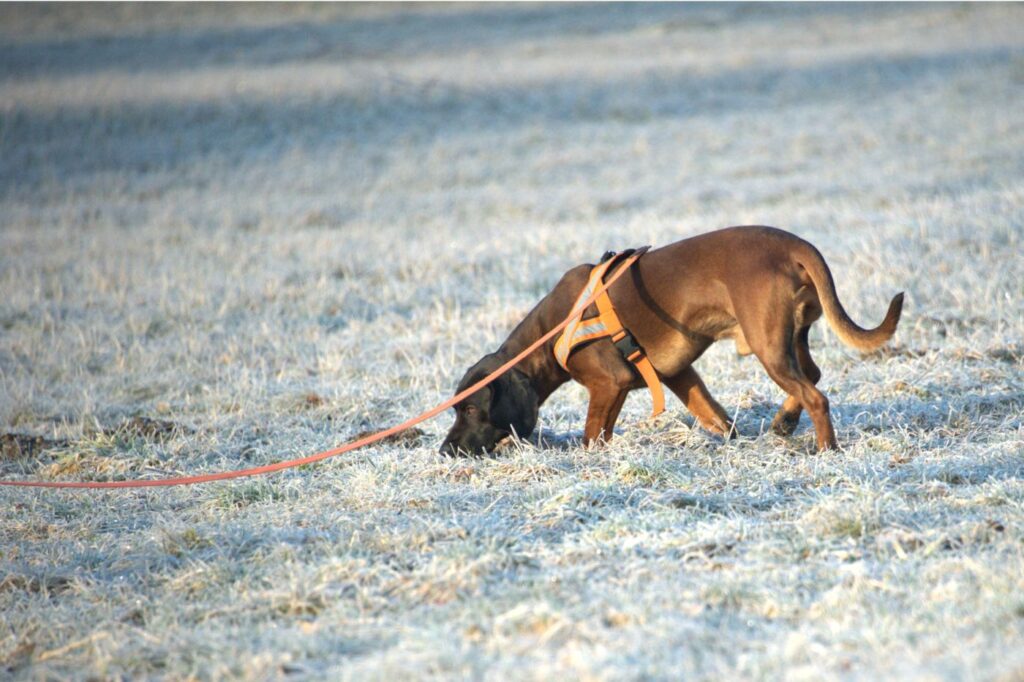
(606, 323)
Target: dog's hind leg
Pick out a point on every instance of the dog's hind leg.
(786, 419)
(811, 399)
(690, 389)
(774, 344)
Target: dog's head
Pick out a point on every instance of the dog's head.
(505, 406)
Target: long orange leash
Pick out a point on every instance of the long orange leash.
(270, 468)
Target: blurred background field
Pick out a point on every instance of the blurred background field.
(232, 234)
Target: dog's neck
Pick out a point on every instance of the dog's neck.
(540, 369)
(540, 366)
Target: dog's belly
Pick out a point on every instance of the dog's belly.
(678, 348)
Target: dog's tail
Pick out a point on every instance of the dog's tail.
(864, 340)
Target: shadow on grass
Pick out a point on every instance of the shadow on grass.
(336, 35)
(70, 146)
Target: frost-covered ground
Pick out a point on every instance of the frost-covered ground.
(267, 229)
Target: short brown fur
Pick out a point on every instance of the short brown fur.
(761, 286)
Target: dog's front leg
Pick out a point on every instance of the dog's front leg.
(605, 404)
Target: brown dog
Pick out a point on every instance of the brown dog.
(760, 286)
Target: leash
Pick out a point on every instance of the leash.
(362, 442)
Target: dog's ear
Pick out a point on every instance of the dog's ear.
(514, 403)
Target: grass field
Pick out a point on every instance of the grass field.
(231, 235)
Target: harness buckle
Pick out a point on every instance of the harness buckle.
(628, 346)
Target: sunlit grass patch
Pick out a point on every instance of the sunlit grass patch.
(100, 457)
(245, 494)
(183, 543)
(641, 474)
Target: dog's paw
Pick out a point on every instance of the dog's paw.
(785, 423)
(725, 429)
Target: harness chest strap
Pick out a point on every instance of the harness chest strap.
(607, 323)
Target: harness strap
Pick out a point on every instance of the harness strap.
(607, 323)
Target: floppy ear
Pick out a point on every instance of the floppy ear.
(514, 404)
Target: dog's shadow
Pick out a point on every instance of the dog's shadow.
(546, 439)
(934, 420)
(905, 424)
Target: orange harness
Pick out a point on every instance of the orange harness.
(606, 323)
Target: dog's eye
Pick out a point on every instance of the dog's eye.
(471, 410)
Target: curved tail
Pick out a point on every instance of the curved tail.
(864, 340)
